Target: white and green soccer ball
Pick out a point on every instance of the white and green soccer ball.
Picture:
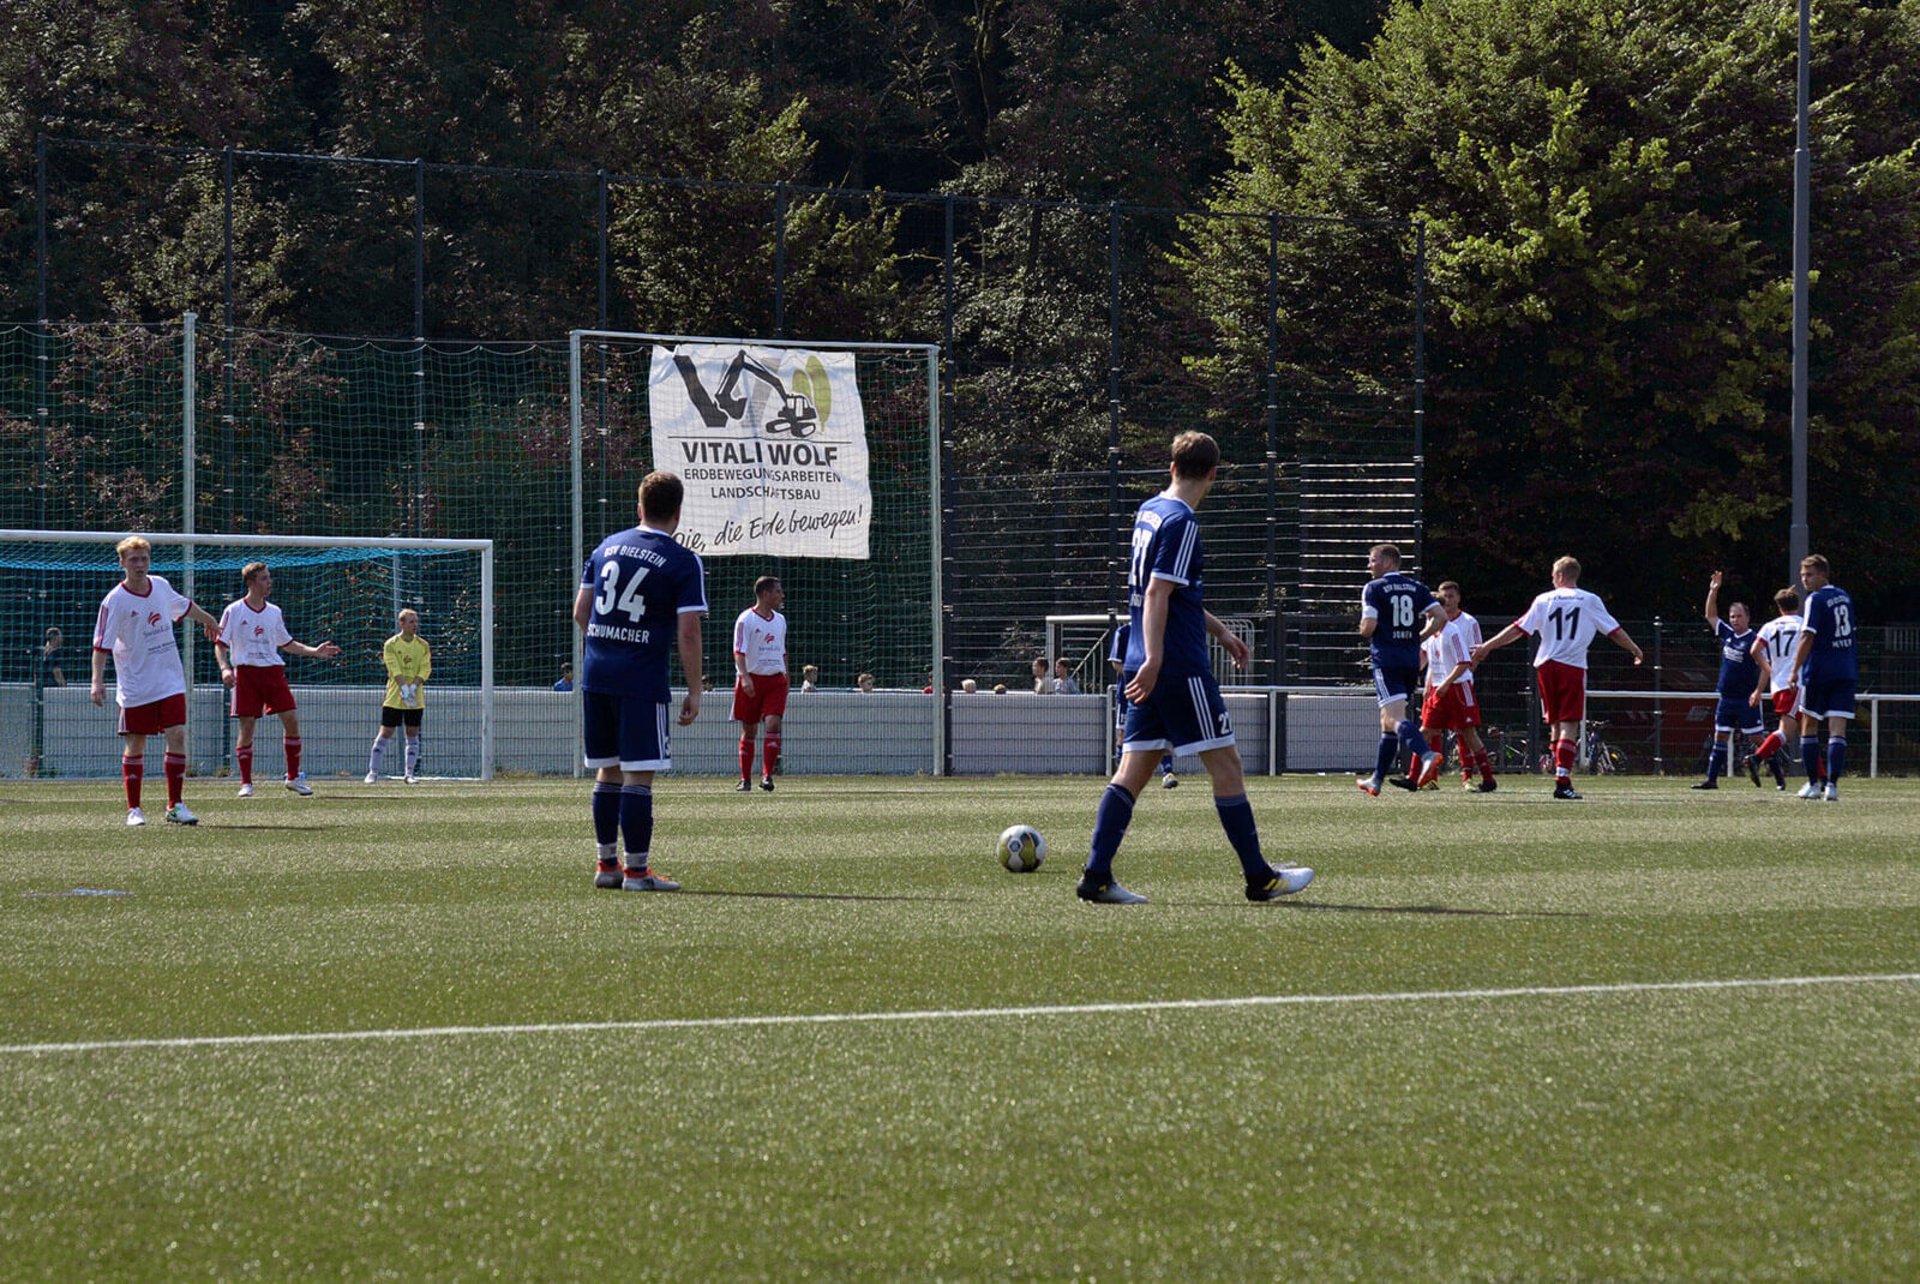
(1022, 848)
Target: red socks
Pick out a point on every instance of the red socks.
(244, 756)
(771, 755)
(746, 757)
(1768, 746)
(1563, 758)
(176, 777)
(132, 771)
(293, 756)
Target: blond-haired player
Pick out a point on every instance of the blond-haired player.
(135, 627)
(409, 662)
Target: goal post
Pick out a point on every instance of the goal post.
(813, 461)
(347, 590)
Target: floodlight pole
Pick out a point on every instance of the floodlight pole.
(1802, 231)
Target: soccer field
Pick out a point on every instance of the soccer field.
(393, 1032)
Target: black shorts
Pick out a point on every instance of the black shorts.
(392, 717)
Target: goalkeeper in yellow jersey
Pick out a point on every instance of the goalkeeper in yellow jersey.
(409, 663)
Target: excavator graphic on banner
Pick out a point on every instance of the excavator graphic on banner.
(796, 417)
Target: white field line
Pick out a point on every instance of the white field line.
(955, 1014)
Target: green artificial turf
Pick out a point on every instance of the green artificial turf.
(1747, 1132)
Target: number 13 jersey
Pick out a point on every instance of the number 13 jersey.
(642, 582)
(1566, 620)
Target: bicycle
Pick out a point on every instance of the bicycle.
(1600, 758)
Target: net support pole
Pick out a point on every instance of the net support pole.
(486, 663)
(939, 598)
(188, 483)
(578, 486)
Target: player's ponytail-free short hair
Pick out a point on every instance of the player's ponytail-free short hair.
(1815, 562)
(1569, 567)
(1447, 584)
(1389, 551)
(250, 570)
(1195, 455)
(765, 585)
(1787, 600)
(408, 613)
(130, 543)
(661, 495)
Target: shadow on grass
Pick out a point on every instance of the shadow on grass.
(222, 827)
(1329, 907)
(821, 896)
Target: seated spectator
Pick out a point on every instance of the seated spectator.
(566, 678)
(1042, 683)
(1063, 683)
(969, 686)
(864, 682)
(810, 677)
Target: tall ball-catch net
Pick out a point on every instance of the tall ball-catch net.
(345, 591)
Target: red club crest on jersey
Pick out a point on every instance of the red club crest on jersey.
(258, 631)
(153, 618)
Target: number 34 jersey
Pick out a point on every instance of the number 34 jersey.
(642, 582)
(1566, 621)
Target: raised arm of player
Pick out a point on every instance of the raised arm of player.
(325, 651)
(1712, 608)
(208, 625)
(1153, 636)
(690, 665)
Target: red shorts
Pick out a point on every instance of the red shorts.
(1787, 703)
(1563, 691)
(152, 719)
(260, 688)
(769, 698)
(1454, 709)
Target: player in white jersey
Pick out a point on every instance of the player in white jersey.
(253, 633)
(1452, 702)
(760, 678)
(1779, 682)
(135, 627)
(1566, 619)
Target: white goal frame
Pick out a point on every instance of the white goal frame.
(190, 541)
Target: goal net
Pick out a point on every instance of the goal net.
(347, 591)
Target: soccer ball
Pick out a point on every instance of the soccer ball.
(1022, 848)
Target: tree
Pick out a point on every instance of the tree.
(1606, 197)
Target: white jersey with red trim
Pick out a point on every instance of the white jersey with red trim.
(1451, 646)
(137, 628)
(1566, 620)
(762, 641)
(1469, 629)
(1780, 636)
(254, 637)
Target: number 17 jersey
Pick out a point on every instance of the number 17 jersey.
(642, 581)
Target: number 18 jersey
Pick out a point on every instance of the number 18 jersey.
(1566, 620)
(642, 581)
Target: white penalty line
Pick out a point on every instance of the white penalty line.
(955, 1014)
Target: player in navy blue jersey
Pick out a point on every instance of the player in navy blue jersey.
(1735, 710)
(1174, 701)
(1829, 666)
(1397, 614)
(1117, 657)
(641, 597)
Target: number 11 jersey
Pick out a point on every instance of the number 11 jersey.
(1566, 620)
(642, 581)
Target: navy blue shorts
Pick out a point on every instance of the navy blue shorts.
(1733, 713)
(633, 735)
(1185, 715)
(1828, 699)
(1394, 684)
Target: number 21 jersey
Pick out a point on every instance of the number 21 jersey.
(642, 581)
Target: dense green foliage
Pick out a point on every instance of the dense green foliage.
(1606, 190)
